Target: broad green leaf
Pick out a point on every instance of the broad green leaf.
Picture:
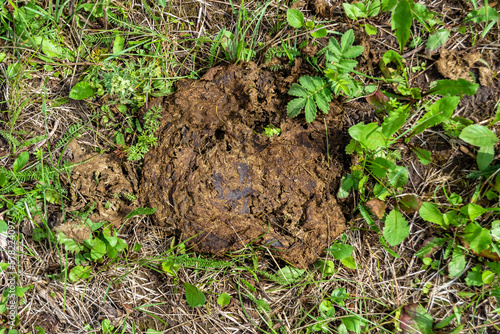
(380, 166)
(310, 110)
(369, 135)
(401, 20)
(484, 14)
(438, 39)
(118, 44)
(474, 277)
(415, 319)
(140, 211)
(355, 10)
(346, 184)
(291, 273)
(454, 87)
(194, 297)
(380, 102)
(81, 90)
(487, 276)
(396, 228)
(349, 262)
(370, 30)
(340, 251)
(20, 161)
(326, 308)
(388, 5)
(3, 55)
(395, 120)
(423, 155)
(320, 31)
(473, 210)
(478, 135)
(433, 245)
(373, 8)
(431, 213)
(3, 226)
(98, 249)
(479, 238)
(295, 18)
(423, 15)
(354, 323)
(438, 112)
(78, 273)
(457, 263)
(49, 47)
(224, 299)
(410, 203)
(69, 244)
(294, 107)
(485, 156)
(398, 176)
(338, 295)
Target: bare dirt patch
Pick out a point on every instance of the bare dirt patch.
(216, 179)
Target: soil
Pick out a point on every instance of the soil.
(222, 184)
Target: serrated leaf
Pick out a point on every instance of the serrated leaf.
(346, 40)
(478, 135)
(438, 39)
(49, 47)
(294, 107)
(298, 90)
(308, 83)
(295, 18)
(474, 277)
(81, 90)
(20, 161)
(396, 228)
(485, 156)
(401, 20)
(431, 213)
(454, 87)
(290, 273)
(194, 297)
(353, 52)
(310, 110)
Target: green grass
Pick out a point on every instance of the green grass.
(420, 253)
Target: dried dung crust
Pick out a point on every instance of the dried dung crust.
(214, 177)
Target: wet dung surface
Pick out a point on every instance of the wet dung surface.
(216, 179)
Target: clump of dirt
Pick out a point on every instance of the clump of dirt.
(104, 180)
(216, 179)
